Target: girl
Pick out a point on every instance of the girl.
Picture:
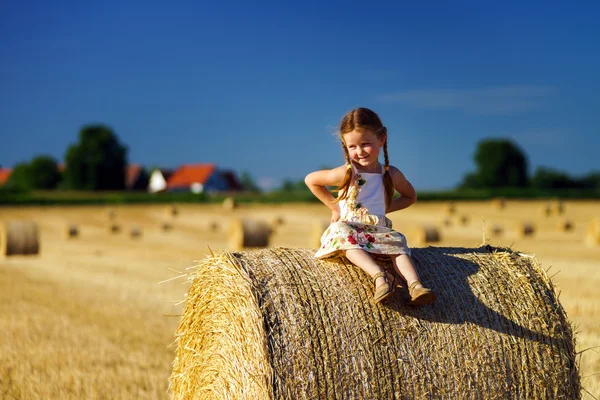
(359, 228)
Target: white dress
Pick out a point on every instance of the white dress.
(363, 224)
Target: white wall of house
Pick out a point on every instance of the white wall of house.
(157, 182)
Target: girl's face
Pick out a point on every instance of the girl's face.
(363, 148)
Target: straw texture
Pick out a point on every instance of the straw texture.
(278, 324)
(19, 238)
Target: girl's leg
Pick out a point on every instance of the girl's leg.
(364, 261)
(406, 269)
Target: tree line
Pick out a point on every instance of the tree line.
(98, 160)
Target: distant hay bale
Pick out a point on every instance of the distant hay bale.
(114, 228)
(112, 214)
(278, 221)
(172, 211)
(245, 232)
(72, 231)
(166, 226)
(319, 226)
(592, 234)
(546, 210)
(463, 220)
(557, 207)
(425, 234)
(525, 229)
(229, 203)
(447, 221)
(136, 232)
(449, 208)
(497, 230)
(279, 324)
(214, 226)
(19, 238)
(565, 225)
(498, 203)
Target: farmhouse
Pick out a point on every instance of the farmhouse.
(136, 177)
(4, 175)
(198, 178)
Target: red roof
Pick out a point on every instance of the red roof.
(4, 175)
(132, 172)
(188, 174)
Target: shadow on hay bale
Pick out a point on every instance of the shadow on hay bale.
(278, 324)
(246, 232)
(19, 238)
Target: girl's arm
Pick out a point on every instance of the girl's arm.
(408, 195)
(318, 181)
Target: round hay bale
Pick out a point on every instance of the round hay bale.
(19, 238)
(279, 324)
(166, 226)
(557, 207)
(114, 228)
(278, 221)
(136, 232)
(547, 210)
(245, 232)
(497, 230)
(318, 228)
(449, 208)
(498, 203)
(525, 229)
(172, 211)
(72, 231)
(463, 220)
(592, 234)
(565, 225)
(112, 214)
(447, 222)
(214, 226)
(229, 203)
(425, 234)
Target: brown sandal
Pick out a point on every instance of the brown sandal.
(384, 290)
(420, 296)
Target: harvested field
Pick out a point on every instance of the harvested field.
(88, 318)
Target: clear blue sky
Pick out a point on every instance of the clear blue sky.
(261, 86)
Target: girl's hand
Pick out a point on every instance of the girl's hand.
(335, 216)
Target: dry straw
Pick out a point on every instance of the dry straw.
(246, 232)
(422, 235)
(19, 238)
(278, 324)
(229, 203)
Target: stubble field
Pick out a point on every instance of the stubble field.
(93, 316)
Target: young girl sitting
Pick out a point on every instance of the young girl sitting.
(359, 228)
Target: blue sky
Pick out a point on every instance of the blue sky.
(262, 86)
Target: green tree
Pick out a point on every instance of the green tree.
(248, 182)
(97, 161)
(500, 163)
(20, 177)
(44, 173)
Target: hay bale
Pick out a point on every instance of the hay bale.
(214, 226)
(449, 208)
(424, 234)
(447, 222)
(278, 221)
(463, 220)
(172, 211)
(557, 207)
(229, 203)
(497, 230)
(72, 231)
(498, 203)
(525, 229)
(112, 214)
(166, 226)
(136, 232)
(114, 228)
(319, 226)
(279, 324)
(19, 238)
(245, 232)
(565, 225)
(592, 234)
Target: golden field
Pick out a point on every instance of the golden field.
(94, 316)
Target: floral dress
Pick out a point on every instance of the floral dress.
(363, 224)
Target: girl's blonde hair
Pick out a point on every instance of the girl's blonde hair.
(363, 119)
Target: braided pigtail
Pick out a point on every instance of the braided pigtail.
(388, 183)
(344, 187)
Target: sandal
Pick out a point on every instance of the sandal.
(384, 290)
(420, 296)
